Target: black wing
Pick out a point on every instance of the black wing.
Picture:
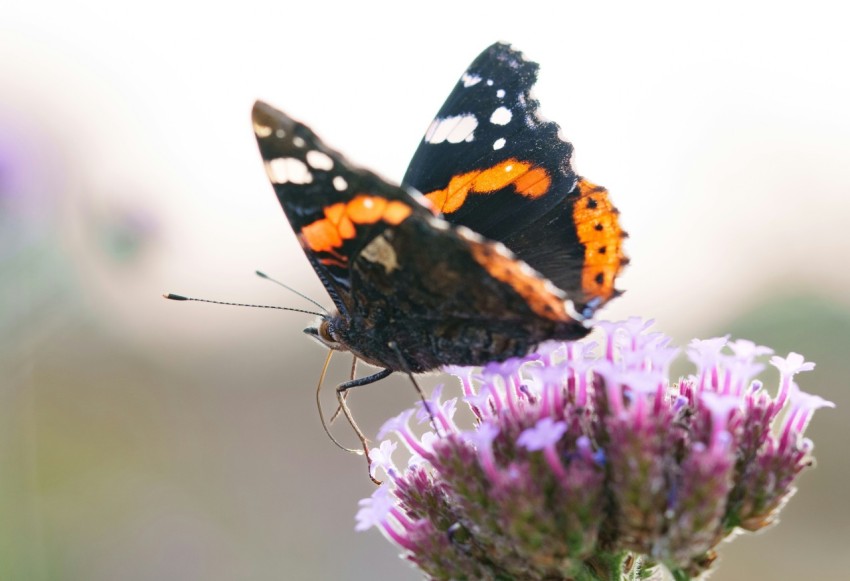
(334, 207)
(445, 295)
(490, 162)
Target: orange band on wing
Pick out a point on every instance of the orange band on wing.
(341, 220)
(528, 180)
(598, 229)
(535, 290)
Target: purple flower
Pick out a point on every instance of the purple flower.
(747, 350)
(482, 440)
(482, 403)
(380, 510)
(544, 436)
(720, 407)
(400, 424)
(789, 367)
(592, 467)
(382, 459)
(549, 350)
(443, 412)
(803, 406)
(375, 509)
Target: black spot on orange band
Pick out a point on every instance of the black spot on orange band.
(598, 229)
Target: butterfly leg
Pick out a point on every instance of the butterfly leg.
(351, 378)
(394, 346)
(341, 391)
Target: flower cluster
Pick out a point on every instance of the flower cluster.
(594, 467)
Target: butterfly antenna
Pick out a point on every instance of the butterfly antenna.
(289, 288)
(174, 297)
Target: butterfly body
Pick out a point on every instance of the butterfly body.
(431, 322)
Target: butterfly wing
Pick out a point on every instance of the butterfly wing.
(334, 207)
(490, 162)
(395, 270)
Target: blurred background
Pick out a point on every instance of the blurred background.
(146, 439)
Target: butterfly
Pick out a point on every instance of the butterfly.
(491, 244)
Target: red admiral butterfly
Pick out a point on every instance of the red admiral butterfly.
(491, 245)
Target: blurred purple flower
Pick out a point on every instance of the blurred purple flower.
(583, 468)
(28, 206)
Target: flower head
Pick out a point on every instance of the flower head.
(580, 467)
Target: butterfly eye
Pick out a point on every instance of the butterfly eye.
(325, 332)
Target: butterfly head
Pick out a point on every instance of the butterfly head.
(327, 333)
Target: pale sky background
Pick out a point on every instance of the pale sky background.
(721, 130)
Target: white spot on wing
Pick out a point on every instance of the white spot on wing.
(527, 270)
(489, 82)
(469, 79)
(438, 224)
(319, 160)
(500, 93)
(285, 170)
(421, 200)
(280, 133)
(297, 141)
(551, 288)
(469, 234)
(262, 130)
(452, 129)
(499, 143)
(503, 251)
(340, 184)
(432, 129)
(501, 116)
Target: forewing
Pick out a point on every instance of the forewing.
(334, 207)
